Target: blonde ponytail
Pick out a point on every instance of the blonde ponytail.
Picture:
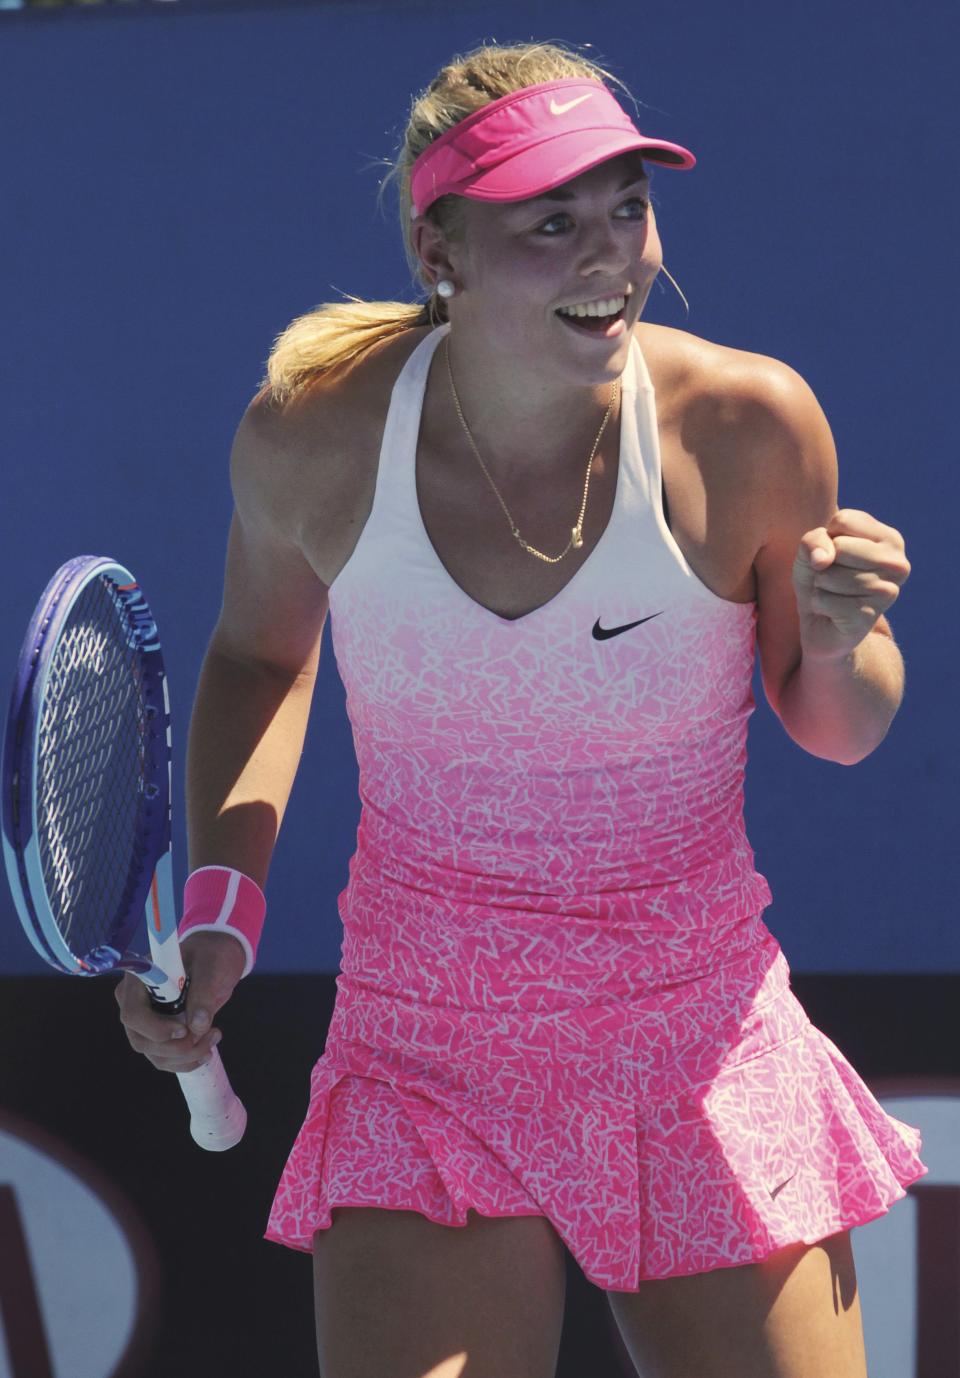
(339, 332)
(331, 336)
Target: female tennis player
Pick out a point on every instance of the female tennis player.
(550, 537)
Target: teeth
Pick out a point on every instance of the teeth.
(594, 308)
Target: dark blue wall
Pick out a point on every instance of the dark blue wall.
(177, 185)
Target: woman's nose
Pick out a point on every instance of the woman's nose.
(606, 254)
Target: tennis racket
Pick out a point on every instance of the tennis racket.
(86, 778)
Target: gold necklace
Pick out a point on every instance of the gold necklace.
(576, 532)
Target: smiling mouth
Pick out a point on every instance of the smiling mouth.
(593, 325)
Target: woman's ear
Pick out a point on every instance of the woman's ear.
(432, 250)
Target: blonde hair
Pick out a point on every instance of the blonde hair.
(337, 333)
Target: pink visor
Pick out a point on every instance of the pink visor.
(530, 141)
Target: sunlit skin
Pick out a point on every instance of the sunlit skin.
(530, 386)
(449, 1368)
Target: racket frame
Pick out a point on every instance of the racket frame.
(218, 1117)
(20, 769)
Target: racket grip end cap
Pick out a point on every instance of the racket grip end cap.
(215, 1135)
(218, 1118)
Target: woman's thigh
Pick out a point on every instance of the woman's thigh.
(796, 1314)
(399, 1294)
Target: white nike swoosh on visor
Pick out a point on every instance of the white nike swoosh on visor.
(556, 109)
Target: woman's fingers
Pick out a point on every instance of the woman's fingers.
(164, 1040)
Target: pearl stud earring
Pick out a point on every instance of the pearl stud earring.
(445, 289)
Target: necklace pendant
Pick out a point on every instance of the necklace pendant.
(577, 538)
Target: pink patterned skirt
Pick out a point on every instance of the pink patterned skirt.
(696, 1124)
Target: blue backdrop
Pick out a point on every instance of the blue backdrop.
(178, 185)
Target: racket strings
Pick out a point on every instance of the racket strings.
(92, 748)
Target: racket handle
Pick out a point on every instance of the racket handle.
(217, 1114)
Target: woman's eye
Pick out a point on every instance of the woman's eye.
(545, 227)
(562, 215)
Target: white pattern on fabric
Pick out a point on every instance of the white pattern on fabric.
(557, 994)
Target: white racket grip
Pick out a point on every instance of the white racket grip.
(217, 1114)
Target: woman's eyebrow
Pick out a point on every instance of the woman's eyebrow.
(558, 193)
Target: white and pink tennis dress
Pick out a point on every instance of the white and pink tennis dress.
(557, 993)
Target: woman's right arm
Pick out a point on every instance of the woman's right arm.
(257, 679)
(249, 717)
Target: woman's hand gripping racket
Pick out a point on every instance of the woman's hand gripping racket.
(86, 803)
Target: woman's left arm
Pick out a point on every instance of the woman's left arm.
(825, 577)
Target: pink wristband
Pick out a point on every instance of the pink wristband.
(217, 899)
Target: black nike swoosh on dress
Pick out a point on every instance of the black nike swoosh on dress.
(777, 1190)
(602, 633)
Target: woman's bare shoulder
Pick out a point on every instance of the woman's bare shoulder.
(312, 453)
(702, 378)
(344, 394)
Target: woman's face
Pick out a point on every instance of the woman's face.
(590, 239)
